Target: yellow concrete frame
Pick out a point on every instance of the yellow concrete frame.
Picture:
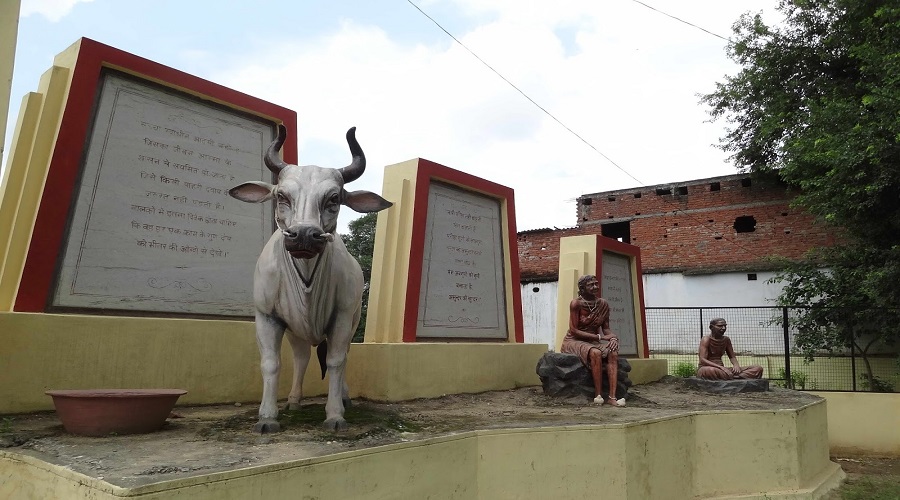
(9, 29)
(391, 256)
(390, 259)
(29, 160)
(770, 454)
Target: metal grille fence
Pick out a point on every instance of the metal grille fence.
(764, 336)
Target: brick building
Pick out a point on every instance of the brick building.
(704, 243)
(706, 226)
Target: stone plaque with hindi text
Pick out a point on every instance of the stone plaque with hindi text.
(617, 287)
(462, 292)
(153, 228)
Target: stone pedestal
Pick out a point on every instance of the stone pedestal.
(563, 375)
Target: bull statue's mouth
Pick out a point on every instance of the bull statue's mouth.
(303, 254)
(309, 248)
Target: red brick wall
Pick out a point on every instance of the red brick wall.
(688, 232)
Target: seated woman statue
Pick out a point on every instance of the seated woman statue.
(590, 338)
(712, 347)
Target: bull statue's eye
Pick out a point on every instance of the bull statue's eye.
(283, 200)
(333, 202)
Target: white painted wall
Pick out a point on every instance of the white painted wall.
(709, 290)
(539, 313)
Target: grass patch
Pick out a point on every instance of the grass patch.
(871, 488)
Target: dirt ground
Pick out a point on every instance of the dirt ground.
(204, 439)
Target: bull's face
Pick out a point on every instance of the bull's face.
(309, 198)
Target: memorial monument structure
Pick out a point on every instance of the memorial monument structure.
(122, 254)
(120, 257)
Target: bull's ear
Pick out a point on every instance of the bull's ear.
(253, 192)
(365, 201)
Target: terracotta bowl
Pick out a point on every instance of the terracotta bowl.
(101, 412)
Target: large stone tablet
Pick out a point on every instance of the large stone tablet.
(153, 228)
(462, 293)
(617, 288)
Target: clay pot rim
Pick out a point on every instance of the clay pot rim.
(114, 393)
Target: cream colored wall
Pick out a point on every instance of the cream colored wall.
(390, 258)
(863, 423)
(659, 459)
(577, 257)
(218, 361)
(9, 29)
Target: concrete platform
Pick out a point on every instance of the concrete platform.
(696, 454)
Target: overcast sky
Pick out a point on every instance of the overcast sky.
(621, 76)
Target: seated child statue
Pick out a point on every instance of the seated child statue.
(712, 347)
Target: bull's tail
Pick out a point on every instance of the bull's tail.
(321, 352)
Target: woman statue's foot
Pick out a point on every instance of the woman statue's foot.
(615, 402)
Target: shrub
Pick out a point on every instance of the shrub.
(798, 379)
(684, 369)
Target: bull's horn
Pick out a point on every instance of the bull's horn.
(272, 160)
(356, 168)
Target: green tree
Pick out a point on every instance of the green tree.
(817, 104)
(361, 244)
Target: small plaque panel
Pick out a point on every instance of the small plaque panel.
(153, 228)
(462, 293)
(617, 288)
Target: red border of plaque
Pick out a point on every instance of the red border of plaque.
(427, 172)
(35, 288)
(634, 252)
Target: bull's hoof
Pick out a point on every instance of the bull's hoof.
(267, 425)
(292, 406)
(335, 424)
(347, 403)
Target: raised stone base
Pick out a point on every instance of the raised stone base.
(563, 375)
(727, 386)
(770, 454)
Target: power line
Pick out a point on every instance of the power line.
(582, 139)
(681, 20)
(526, 96)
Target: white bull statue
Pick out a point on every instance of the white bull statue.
(305, 280)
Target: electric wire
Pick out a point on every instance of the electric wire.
(682, 20)
(711, 231)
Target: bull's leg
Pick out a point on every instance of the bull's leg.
(337, 386)
(301, 360)
(269, 332)
(345, 394)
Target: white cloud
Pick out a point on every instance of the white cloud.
(623, 77)
(53, 10)
(628, 88)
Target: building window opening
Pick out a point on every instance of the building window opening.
(681, 190)
(637, 195)
(610, 198)
(751, 277)
(587, 201)
(617, 230)
(715, 186)
(745, 182)
(745, 224)
(662, 191)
